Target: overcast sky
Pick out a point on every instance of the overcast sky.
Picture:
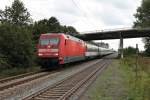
(86, 15)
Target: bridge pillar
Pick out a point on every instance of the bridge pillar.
(121, 47)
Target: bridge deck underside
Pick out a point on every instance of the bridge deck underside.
(134, 33)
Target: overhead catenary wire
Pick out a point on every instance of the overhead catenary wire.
(85, 15)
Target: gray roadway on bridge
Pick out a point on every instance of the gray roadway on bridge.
(117, 34)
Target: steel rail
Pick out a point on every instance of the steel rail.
(66, 87)
(3, 80)
(14, 83)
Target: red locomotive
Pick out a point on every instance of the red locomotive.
(59, 48)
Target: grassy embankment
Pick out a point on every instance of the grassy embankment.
(16, 71)
(123, 81)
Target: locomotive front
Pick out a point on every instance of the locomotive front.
(48, 49)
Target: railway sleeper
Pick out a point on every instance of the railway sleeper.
(67, 85)
(47, 97)
(54, 92)
(63, 87)
(59, 90)
(50, 96)
(39, 98)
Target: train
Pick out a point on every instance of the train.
(60, 49)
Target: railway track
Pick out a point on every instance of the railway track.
(63, 89)
(3, 80)
(20, 79)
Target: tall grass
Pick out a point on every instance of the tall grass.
(140, 81)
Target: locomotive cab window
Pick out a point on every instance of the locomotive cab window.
(53, 41)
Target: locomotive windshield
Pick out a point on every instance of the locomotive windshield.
(54, 41)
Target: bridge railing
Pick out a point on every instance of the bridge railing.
(116, 29)
(108, 30)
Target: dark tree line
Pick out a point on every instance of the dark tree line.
(129, 51)
(143, 21)
(50, 25)
(19, 35)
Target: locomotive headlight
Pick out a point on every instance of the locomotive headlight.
(48, 46)
(60, 58)
(40, 54)
(56, 54)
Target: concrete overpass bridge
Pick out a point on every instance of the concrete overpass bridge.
(116, 34)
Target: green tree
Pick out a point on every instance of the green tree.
(54, 25)
(143, 21)
(45, 26)
(69, 30)
(129, 51)
(50, 25)
(16, 14)
(39, 27)
(16, 46)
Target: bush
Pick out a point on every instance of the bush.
(16, 45)
(3, 62)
